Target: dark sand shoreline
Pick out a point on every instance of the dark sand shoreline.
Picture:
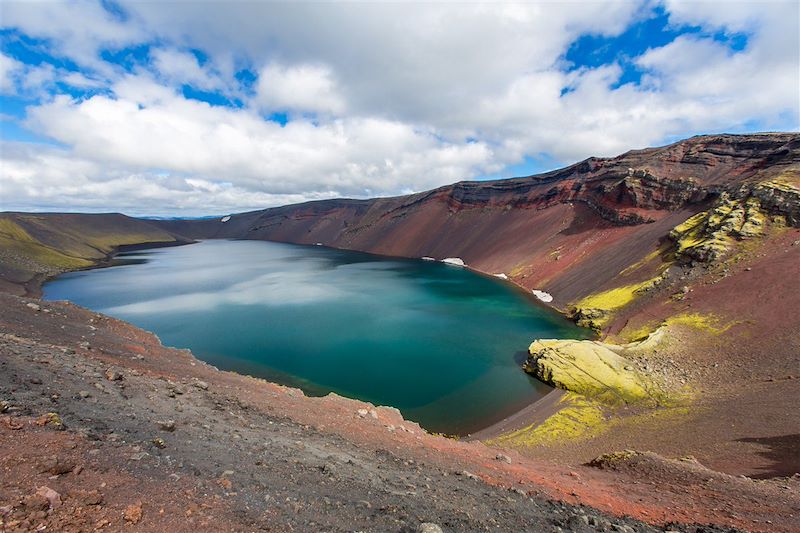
(534, 413)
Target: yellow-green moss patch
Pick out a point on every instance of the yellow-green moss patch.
(708, 235)
(709, 323)
(578, 419)
(596, 310)
(33, 244)
(15, 240)
(591, 369)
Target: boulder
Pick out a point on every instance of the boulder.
(591, 369)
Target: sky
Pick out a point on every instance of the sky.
(188, 108)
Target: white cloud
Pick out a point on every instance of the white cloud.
(78, 29)
(9, 68)
(21, 79)
(180, 67)
(383, 98)
(147, 127)
(304, 88)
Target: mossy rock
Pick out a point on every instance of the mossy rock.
(591, 369)
(596, 310)
(709, 235)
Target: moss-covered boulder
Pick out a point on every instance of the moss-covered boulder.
(709, 235)
(592, 369)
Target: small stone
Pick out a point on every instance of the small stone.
(36, 502)
(84, 394)
(373, 414)
(133, 513)
(362, 413)
(53, 498)
(4, 406)
(51, 420)
(468, 475)
(503, 458)
(202, 385)
(56, 465)
(36, 381)
(166, 425)
(429, 527)
(113, 374)
(158, 442)
(35, 307)
(90, 497)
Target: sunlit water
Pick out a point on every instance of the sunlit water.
(440, 343)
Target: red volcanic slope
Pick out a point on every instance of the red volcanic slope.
(570, 231)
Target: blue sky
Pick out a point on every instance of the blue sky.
(186, 108)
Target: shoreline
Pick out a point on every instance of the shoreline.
(533, 413)
(34, 287)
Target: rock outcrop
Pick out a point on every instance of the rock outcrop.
(591, 369)
(740, 215)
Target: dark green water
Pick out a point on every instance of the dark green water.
(438, 342)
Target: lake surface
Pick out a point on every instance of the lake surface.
(440, 343)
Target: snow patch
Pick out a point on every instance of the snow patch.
(426, 258)
(455, 261)
(501, 276)
(543, 296)
(225, 219)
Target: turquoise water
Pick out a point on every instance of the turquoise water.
(440, 343)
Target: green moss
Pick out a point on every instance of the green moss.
(51, 420)
(610, 459)
(596, 310)
(593, 370)
(788, 182)
(644, 261)
(14, 240)
(13, 231)
(578, 419)
(708, 323)
(638, 334)
(705, 322)
(610, 299)
(710, 234)
(51, 244)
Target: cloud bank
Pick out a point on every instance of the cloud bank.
(179, 108)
